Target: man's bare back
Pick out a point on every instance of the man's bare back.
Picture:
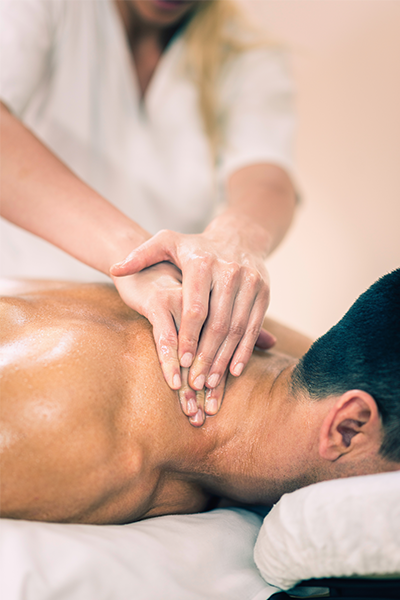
(86, 410)
(90, 431)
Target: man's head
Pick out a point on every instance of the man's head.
(356, 364)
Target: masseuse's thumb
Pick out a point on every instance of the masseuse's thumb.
(146, 255)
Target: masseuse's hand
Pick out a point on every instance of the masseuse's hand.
(224, 298)
(197, 403)
(156, 293)
(158, 296)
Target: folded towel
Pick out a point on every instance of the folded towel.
(333, 529)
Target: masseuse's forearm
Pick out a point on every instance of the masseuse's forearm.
(261, 202)
(40, 194)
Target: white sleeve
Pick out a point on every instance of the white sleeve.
(25, 46)
(257, 111)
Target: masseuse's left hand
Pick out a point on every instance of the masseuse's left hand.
(158, 293)
(224, 297)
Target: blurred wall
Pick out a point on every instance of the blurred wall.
(346, 64)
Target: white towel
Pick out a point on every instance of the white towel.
(333, 529)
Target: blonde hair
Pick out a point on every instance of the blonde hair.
(217, 31)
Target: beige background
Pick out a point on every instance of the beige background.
(346, 63)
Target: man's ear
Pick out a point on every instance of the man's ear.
(353, 425)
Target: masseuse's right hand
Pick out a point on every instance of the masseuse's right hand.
(225, 293)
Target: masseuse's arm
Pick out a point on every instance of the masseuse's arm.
(225, 281)
(40, 194)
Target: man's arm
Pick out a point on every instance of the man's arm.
(289, 341)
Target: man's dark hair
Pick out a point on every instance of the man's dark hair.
(362, 352)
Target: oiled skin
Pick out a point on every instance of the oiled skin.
(90, 431)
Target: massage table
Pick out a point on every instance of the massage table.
(336, 533)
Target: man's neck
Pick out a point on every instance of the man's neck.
(259, 444)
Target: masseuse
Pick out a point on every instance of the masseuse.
(123, 118)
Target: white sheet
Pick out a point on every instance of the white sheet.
(186, 557)
(331, 529)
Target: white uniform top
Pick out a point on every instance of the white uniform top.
(67, 73)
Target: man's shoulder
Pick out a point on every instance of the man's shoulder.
(289, 341)
(96, 297)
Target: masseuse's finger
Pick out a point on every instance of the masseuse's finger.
(245, 322)
(216, 328)
(192, 403)
(195, 299)
(214, 397)
(187, 396)
(244, 348)
(200, 416)
(248, 341)
(156, 293)
(166, 340)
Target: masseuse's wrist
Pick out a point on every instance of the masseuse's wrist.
(242, 231)
(122, 243)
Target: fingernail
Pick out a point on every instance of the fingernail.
(213, 380)
(211, 406)
(198, 418)
(186, 360)
(238, 369)
(176, 381)
(191, 407)
(199, 382)
(120, 264)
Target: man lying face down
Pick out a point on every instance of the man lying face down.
(91, 432)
